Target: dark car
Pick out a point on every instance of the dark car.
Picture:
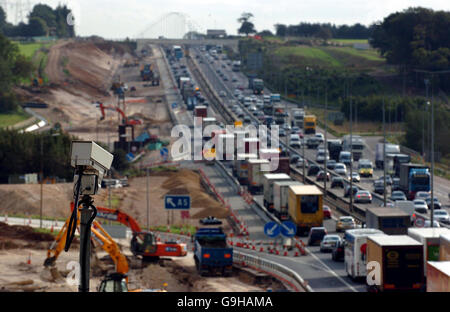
(313, 170)
(437, 204)
(347, 190)
(395, 184)
(210, 221)
(321, 176)
(316, 235)
(331, 164)
(294, 159)
(337, 182)
(378, 187)
(337, 252)
(388, 180)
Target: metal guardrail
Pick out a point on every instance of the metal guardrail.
(279, 271)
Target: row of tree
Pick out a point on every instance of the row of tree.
(324, 30)
(42, 21)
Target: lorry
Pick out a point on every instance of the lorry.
(438, 279)
(280, 198)
(305, 207)
(334, 148)
(430, 240)
(225, 142)
(408, 207)
(240, 168)
(444, 247)
(400, 263)
(275, 98)
(355, 144)
(279, 114)
(236, 66)
(251, 145)
(391, 221)
(414, 178)
(390, 149)
(268, 181)
(211, 252)
(256, 85)
(310, 124)
(355, 247)
(256, 169)
(298, 115)
(280, 164)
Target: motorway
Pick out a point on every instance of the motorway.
(317, 268)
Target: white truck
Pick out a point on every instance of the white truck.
(298, 115)
(390, 149)
(240, 167)
(268, 181)
(430, 239)
(280, 198)
(355, 257)
(256, 169)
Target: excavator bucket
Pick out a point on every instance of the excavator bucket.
(49, 261)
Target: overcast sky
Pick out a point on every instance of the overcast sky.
(119, 19)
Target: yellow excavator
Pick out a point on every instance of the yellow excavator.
(114, 282)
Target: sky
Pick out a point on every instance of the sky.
(115, 19)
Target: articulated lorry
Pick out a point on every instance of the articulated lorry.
(211, 252)
(280, 198)
(279, 114)
(399, 261)
(256, 170)
(310, 124)
(305, 207)
(438, 279)
(390, 149)
(256, 85)
(268, 181)
(414, 178)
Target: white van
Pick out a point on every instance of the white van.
(355, 251)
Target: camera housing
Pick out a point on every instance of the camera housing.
(92, 162)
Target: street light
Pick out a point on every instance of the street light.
(42, 178)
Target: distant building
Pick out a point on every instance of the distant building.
(216, 33)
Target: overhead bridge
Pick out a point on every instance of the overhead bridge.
(233, 43)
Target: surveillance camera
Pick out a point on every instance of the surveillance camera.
(92, 162)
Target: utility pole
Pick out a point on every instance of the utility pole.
(384, 156)
(432, 152)
(303, 150)
(423, 119)
(148, 202)
(351, 156)
(326, 141)
(42, 181)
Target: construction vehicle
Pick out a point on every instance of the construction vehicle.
(99, 235)
(305, 207)
(400, 260)
(143, 243)
(125, 120)
(310, 124)
(211, 252)
(148, 73)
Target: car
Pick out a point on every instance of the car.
(347, 190)
(312, 143)
(388, 205)
(328, 242)
(316, 234)
(299, 163)
(442, 216)
(427, 224)
(321, 176)
(320, 156)
(319, 137)
(240, 113)
(340, 169)
(296, 130)
(337, 252)
(356, 177)
(295, 141)
(225, 78)
(363, 196)
(337, 182)
(294, 159)
(331, 163)
(345, 223)
(210, 220)
(420, 206)
(281, 132)
(326, 212)
(247, 119)
(313, 170)
(437, 204)
(237, 92)
(395, 184)
(235, 108)
(234, 79)
(252, 108)
(378, 187)
(422, 195)
(388, 180)
(397, 195)
(222, 94)
(287, 127)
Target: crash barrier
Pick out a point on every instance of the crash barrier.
(294, 281)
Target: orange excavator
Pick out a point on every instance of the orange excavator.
(125, 120)
(143, 243)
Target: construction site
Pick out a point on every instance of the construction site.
(97, 93)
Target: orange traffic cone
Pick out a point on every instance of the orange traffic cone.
(261, 249)
(296, 254)
(285, 253)
(29, 258)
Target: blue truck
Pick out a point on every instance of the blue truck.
(414, 178)
(211, 252)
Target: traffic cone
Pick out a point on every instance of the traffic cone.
(285, 253)
(29, 220)
(253, 247)
(270, 250)
(296, 254)
(277, 252)
(29, 258)
(261, 249)
(51, 229)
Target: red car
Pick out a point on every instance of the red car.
(326, 212)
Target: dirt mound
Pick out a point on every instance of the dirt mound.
(23, 232)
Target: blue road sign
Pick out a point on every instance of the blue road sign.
(177, 202)
(288, 229)
(174, 105)
(129, 157)
(272, 229)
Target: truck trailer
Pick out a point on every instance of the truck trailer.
(391, 221)
(305, 207)
(414, 178)
(280, 198)
(240, 167)
(390, 149)
(400, 263)
(438, 279)
(268, 181)
(256, 170)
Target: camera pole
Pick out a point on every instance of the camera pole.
(88, 213)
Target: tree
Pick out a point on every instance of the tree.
(44, 12)
(247, 27)
(281, 30)
(324, 33)
(265, 32)
(37, 27)
(3, 22)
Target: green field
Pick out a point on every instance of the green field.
(310, 54)
(350, 41)
(29, 49)
(11, 119)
